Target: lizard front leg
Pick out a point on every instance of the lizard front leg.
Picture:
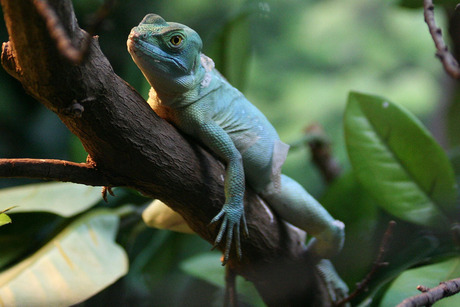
(232, 213)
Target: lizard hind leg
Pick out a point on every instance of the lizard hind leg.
(296, 206)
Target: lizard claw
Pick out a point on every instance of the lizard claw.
(104, 193)
(232, 217)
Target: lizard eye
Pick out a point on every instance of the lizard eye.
(176, 40)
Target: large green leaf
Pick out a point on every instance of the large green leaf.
(62, 198)
(79, 262)
(429, 276)
(398, 161)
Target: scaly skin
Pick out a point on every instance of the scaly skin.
(190, 93)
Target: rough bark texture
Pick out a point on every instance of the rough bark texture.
(131, 146)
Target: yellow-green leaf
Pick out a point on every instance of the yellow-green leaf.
(78, 263)
(4, 219)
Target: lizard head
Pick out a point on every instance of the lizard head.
(167, 53)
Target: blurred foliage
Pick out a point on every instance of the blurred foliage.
(296, 61)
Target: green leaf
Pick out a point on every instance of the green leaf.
(62, 198)
(398, 161)
(78, 263)
(208, 267)
(454, 157)
(4, 219)
(429, 276)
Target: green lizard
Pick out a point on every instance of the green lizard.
(189, 92)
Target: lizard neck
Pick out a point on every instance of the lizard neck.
(172, 99)
(206, 80)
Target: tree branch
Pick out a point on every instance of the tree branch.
(57, 32)
(448, 60)
(48, 169)
(131, 146)
(321, 151)
(431, 296)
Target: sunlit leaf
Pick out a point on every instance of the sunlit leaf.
(78, 263)
(208, 267)
(65, 199)
(398, 161)
(4, 219)
(429, 276)
(159, 215)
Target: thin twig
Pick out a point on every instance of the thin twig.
(431, 296)
(447, 59)
(50, 169)
(361, 286)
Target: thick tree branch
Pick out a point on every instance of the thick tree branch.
(57, 170)
(131, 146)
(431, 296)
(448, 60)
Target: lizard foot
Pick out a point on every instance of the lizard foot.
(336, 287)
(231, 216)
(104, 192)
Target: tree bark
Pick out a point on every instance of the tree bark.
(131, 146)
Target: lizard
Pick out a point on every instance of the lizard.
(188, 91)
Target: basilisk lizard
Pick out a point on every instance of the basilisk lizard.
(190, 93)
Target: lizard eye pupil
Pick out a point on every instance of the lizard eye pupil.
(176, 40)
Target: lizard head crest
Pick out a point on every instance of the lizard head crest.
(167, 53)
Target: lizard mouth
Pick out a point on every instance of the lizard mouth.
(143, 50)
